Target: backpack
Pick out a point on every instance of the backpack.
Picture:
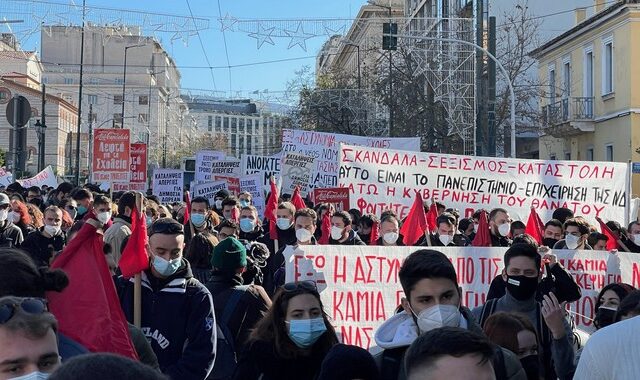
(226, 356)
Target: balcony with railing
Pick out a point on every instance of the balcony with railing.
(569, 117)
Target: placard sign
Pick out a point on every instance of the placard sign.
(204, 159)
(253, 185)
(168, 185)
(297, 170)
(266, 166)
(337, 196)
(138, 168)
(208, 190)
(45, 177)
(111, 149)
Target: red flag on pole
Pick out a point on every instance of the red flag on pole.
(432, 216)
(416, 222)
(375, 234)
(134, 257)
(235, 214)
(325, 228)
(483, 236)
(187, 209)
(297, 200)
(612, 243)
(88, 310)
(270, 210)
(533, 227)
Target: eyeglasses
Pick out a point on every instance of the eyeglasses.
(295, 286)
(166, 228)
(28, 305)
(70, 208)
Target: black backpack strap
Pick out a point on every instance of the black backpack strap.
(392, 363)
(487, 309)
(232, 302)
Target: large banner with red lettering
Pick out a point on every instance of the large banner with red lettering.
(381, 179)
(111, 155)
(360, 288)
(138, 167)
(324, 147)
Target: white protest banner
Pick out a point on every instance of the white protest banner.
(6, 178)
(204, 159)
(168, 185)
(297, 170)
(380, 179)
(208, 190)
(266, 166)
(324, 147)
(45, 177)
(360, 288)
(253, 185)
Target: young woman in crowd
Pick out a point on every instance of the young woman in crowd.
(607, 303)
(19, 216)
(36, 215)
(291, 340)
(199, 255)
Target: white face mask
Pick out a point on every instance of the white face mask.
(571, 241)
(438, 316)
(445, 239)
(52, 230)
(336, 233)
(475, 228)
(104, 217)
(390, 237)
(303, 235)
(14, 217)
(504, 229)
(636, 239)
(3, 215)
(219, 204)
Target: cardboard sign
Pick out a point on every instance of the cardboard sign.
(338, 197)
(168, 185)
(6, 178)
(324, 147)
(208, 190)
(253, 185)
(45, 177)
(266, 166)
(380, 179)
(111, 149)
(138, 167)
(297, 170)
(360, 288)
(204, 159)
(233, 183)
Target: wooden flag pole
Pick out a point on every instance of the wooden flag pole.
(137, 284)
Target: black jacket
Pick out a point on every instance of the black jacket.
(500, 241)
(353, 239)
(42, 248)
(10, 235)
(457, 241)
(249, 310)
(178, 319)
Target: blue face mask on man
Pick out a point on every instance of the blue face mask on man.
(166, 267)
(198, 220)
(82, 210)
(305, 332)
(247, 225)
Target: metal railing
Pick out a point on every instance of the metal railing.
(561, 111)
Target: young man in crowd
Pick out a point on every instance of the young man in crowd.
(341, 231)
(42, 245)
(250, 227)
(177, 310)
(199, 220)
(517, 228)
(522, 275)
(227, 207)
(450, 353)
(553, 232)
(284, 223)
(120, 231)
(389, 232)
(34, 196)
(218, 199)
(245, 198)
(365, 223)
(10, 234)
(446, 235)
(432, 300)
(500, 226)
(632, 241)
(101, 211)
(28, 342)
(84, 198)
(576, 232)
(598, 241)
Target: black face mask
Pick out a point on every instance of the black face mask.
(549, 242)
(36, 201)
(604, 317)
(522, 287)
(531, 367)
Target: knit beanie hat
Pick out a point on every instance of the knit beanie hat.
(229, 255)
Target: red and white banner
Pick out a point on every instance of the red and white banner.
(138, 167)
(45, 177)
(380, 179)
(111, 149)
(338, 197)
(360, 288)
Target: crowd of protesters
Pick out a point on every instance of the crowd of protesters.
(215, 305)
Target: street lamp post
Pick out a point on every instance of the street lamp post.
(40, 130)
(502, 69)
(124, 78)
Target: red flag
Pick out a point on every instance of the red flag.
(325, 228)
(612, 243)
(88, 310)
(483, 236)
(432, 216)
(533, 227)
(270, 210)
(416, 222)
(134, 257)
(187, 209)
(235, 214)
(297, 200)
(375, 234)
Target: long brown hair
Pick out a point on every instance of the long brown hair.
(271, 328)
(502, 329)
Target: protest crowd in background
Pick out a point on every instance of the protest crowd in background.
(105, 284)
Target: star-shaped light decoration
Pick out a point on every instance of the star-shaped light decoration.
(299, 37)
(263, 35)
(228, 22)
(330, 31)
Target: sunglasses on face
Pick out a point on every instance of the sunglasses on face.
(295, 286)
(32, 306)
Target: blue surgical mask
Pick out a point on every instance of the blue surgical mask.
(32, 376)
(149, 221)
(82, 210)
(198, 220)
(247, 225)
(283, 223)
(244, 203)
(164, 267)
(305, 332)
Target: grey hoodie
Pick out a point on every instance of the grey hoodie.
(400, 331)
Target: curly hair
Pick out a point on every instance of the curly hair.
(21, 208)
(36, 215)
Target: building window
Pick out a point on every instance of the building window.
(608, 152)
(93, 99)
(93, 80)
(552, 157)
(68, 80)
(567, 156)
(607, 67)
(210, 123)
(117, 119)
(589, 153)
(218, 123)
(143, 118)
(552, 86)
(143, 100)
(566, 76)
(117, 99)
(119, 81)
(233, 140)
(234, 125)
(588, 73)
(225, 123)
(93, 117)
